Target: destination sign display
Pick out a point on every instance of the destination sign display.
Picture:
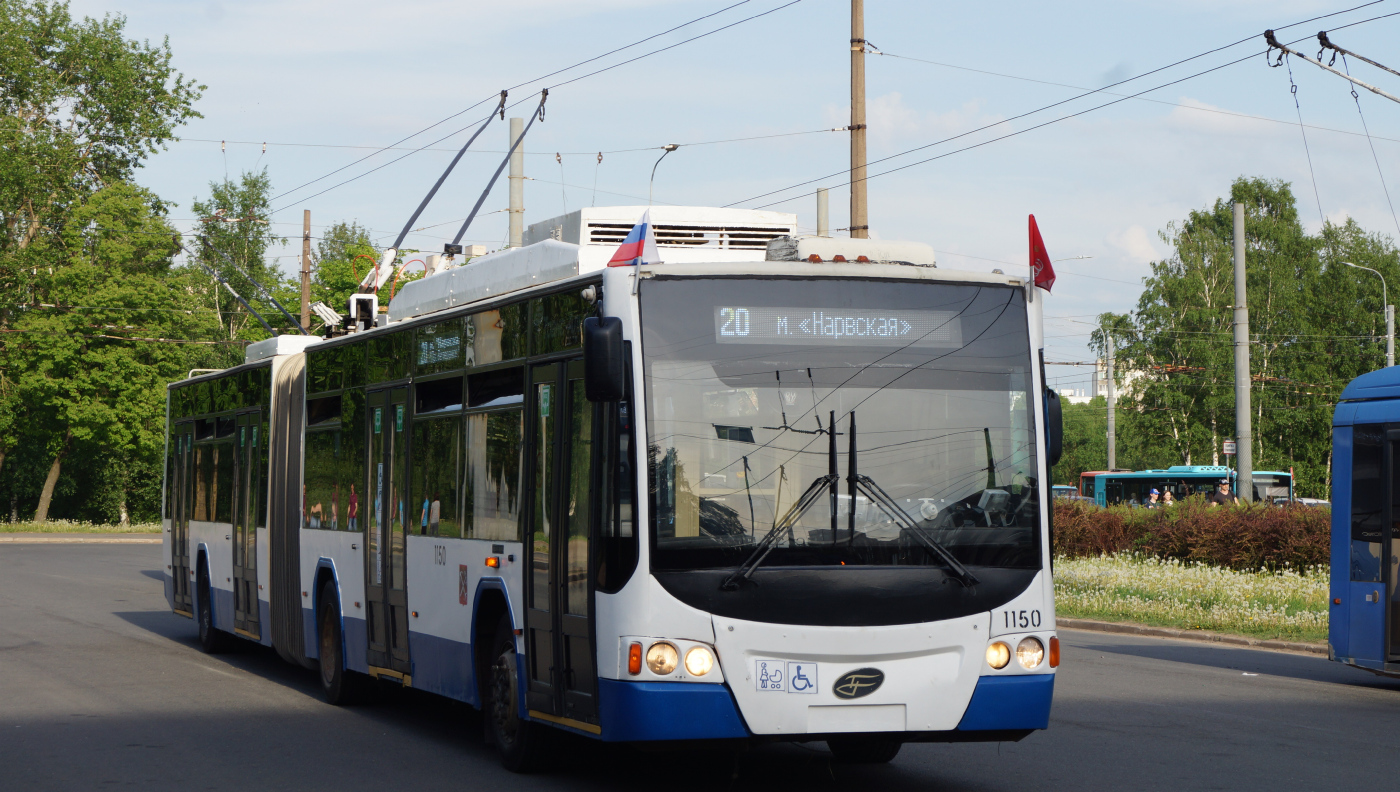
(842, 326)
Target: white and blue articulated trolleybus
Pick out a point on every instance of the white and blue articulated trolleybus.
(797, 500)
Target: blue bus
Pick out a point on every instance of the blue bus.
(1364, 627)
(1133, 487)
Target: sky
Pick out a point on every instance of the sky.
(324, 84)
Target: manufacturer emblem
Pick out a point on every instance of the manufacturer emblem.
(857, 683)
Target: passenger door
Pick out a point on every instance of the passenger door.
(386, 570)
(181, 502)
(562, 480)
(246, 480)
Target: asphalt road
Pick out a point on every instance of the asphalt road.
(102, 687)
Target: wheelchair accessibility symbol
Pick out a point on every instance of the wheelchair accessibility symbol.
(802, 677)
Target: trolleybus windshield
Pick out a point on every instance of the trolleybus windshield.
(745, 376)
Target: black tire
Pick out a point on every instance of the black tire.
(519, 742)
(211, 639)
(339, 685)
(864, 750)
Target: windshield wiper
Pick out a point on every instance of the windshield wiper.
(890, 507)
(765, 545)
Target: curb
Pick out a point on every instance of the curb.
(1126, 628)
(78, 539)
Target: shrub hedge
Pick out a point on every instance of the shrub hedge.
(1247, 537)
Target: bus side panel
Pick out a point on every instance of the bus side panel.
(339, 554)
(1339, 623)
(444, 578)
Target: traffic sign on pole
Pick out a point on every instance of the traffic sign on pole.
(1229, 448)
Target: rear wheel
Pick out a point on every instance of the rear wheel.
(339, 685)
(864, 750)
(519, 741)
(211, 639)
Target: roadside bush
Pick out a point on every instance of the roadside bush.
(1246, 537)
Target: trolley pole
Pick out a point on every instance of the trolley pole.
(860, 221)
(517, 185)
(1389, 336)
(1112, 424)
(306, 270)
(1244, 435)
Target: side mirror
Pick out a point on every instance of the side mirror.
(604, 364)
(1054, 428)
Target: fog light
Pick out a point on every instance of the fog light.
(1029, 652)
(699, 661)
(998, 655)
(662, 658)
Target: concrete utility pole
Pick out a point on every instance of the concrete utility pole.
(1244, 435)
(1112, 424)
(860, 221)
(306, 270)
(823, 213)
(517, 184)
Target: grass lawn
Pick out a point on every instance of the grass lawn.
(1290, 605)
(70, 526)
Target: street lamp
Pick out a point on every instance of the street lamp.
(667, 149)
(1389, 316)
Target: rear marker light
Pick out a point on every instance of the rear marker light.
(634, 659)
(1336, 600)
(1054, 652)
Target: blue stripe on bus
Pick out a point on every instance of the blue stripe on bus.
(1010, 702)
(442, 666)
(646, 711)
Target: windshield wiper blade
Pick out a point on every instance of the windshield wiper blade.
(889, 506)
(765, 545)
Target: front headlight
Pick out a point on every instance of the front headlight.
(998, 655)
(699, 661)
(1029, 652)
(662, 658)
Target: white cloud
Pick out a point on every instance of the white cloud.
(1136, 243)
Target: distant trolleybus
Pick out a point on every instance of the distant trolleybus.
(1134, 486)
(795, 500)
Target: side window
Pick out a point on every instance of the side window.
(1367, 501)
(437, 447)
(617, 553)
(352, 468)
(497, 335)
(494, 444)
(324, 445)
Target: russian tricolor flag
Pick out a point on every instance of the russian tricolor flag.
(639, 247)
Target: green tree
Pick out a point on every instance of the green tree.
(234, 237)
(83, 107)
(1314, 326)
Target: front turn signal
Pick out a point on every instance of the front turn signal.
(493, 561)
(634, 659)
(1054, 652)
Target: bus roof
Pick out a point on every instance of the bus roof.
(1380, 384)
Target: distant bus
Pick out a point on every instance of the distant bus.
(1134, 487)
(1364, 624)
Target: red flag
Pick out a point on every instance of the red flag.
(1041, 270)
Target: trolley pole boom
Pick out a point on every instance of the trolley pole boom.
(1274, 43)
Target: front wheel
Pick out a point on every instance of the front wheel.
(517, 740)
(864, 750)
